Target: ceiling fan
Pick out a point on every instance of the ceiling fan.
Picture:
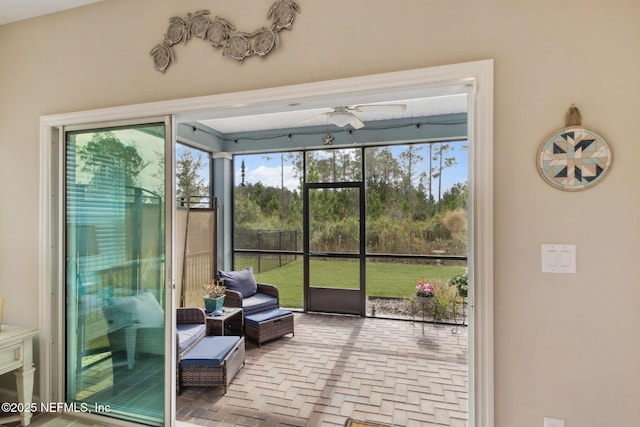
(342, 116)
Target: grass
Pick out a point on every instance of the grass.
(396, 280)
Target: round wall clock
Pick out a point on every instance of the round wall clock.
(574, 158)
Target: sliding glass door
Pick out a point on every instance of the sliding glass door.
(117, 244)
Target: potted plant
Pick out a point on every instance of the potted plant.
(461, 283)
(424, 291)
(214, 295)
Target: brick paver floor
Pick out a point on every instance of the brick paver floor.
(388, 371)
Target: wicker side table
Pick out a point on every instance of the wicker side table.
(231, 322)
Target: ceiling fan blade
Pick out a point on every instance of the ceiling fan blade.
(380, 108)
(312, 119)
(342, 116)
(357, 123)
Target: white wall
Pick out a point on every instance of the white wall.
(565, 345)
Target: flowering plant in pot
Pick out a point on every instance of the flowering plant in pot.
(424, 290)
(214, 294)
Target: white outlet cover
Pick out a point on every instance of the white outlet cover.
(553, 422)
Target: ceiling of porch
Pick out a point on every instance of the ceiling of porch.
(419, 107)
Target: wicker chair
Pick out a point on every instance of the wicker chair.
(188, 316)
(267, 298)
(244, 292)
(260, 304)
(191, 325)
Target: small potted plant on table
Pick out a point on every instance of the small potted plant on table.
(214, 295)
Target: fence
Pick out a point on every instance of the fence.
(254, 241)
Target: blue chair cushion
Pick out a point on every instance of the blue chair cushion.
(263, 316)
(259, 301)
(242, 281)
(188, 333)
(211, 351)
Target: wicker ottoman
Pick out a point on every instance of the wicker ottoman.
(212, 362)
(267, 325)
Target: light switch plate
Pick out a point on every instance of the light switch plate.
(558, 258)
(553, 422)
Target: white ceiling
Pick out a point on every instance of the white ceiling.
(17, 10)
(419, 107)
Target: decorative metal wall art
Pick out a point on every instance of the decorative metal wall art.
(222, 33)
(574, 158)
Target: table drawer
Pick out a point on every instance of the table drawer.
(11, 357)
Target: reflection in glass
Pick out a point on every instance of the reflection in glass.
(115, 239)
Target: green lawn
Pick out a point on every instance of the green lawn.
(383, 279)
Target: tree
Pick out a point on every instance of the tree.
(409, 159)
(443, 163)
(111, 161)
(188, 179)
(384, 176)
(374, 205)
(283, 208)
(455, 197)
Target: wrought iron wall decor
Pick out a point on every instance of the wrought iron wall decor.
(222, 33)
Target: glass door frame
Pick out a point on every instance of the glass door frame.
(58, 164)
(334, 300)
(475, 78)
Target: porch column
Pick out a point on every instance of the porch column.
(223, 190)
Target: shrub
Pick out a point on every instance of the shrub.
(461, 283)
(443, 299)
(456, 223)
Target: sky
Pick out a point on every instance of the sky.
(270, 175)
(267, 168)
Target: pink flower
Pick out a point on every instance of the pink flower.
(425, 289)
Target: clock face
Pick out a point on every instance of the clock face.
(574, 159)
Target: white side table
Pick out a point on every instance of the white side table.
(16, 354)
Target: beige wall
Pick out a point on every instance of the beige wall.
(565, 345)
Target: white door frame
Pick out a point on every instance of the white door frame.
(474, 78)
